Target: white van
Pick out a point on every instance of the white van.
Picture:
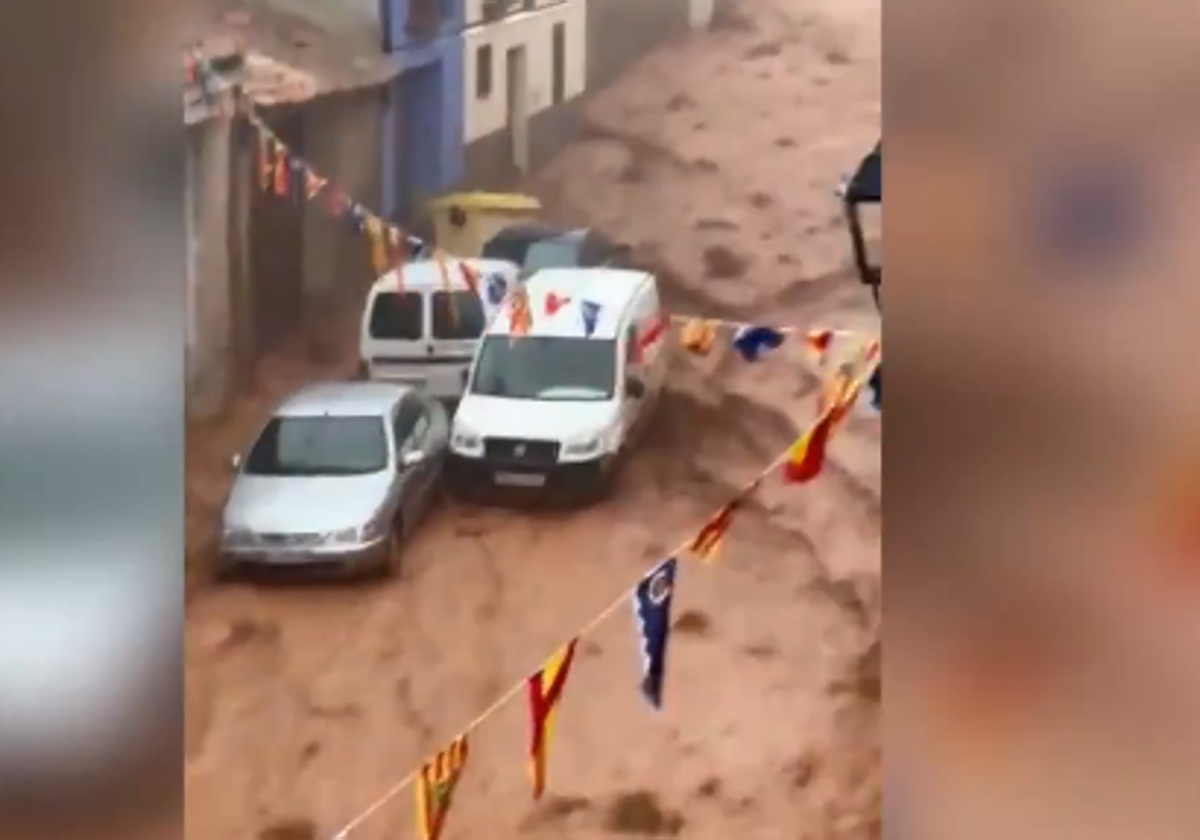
(557, 408)
(411, 334)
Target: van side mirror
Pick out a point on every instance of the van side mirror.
(635, 388)
(412, 458)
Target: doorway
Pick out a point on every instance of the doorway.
(516, 83)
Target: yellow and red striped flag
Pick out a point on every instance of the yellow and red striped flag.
(545, 691)
(708, 540)
(435, 785)
(806, 456)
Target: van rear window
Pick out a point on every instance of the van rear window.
(458, 315)
(397, 316)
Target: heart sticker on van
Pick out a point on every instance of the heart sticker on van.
(555, 303)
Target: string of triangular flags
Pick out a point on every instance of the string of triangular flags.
(283, 173)
(651, 597)
(754, 341)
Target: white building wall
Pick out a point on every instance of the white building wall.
(535, 31)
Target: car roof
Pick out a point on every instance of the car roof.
(611, 288)
(423, 275)
(343, 399)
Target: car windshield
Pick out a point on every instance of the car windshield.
(546, 368)
(561, 252)
(397, 317)
(319, 446)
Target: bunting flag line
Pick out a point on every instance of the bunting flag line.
(434, 789)
(545, 692)
(544, 688)
(652, 614)
(436, 779)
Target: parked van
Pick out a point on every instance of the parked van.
(559, 406)
(416, 332)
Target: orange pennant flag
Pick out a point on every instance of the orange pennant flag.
(520, 319)
(435, 785)
(698, 336)
(545, 692)
(265, 167)
(282, 170)
(707, 542)
(375, 235)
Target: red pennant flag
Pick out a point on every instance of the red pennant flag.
(545, 691)
(554, 303)
(434, 789)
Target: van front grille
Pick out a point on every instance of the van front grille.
(522, 452)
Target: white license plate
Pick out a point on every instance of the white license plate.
(520, 479)
(284, 558)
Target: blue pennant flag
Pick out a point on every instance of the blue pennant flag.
(591, 315)
(495, 287)
(876, 386)
(753, 342)
(652, 614)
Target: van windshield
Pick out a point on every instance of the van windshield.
(398, 316)
(546, 368)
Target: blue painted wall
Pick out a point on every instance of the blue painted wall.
(423, 122)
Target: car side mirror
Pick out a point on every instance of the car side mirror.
(635, 388)
(235, 462)
(412, 458)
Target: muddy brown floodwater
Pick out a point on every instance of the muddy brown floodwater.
(717, 157)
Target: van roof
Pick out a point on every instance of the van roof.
(611, 288)
(424, 275)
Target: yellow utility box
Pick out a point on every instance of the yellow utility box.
(462, 222)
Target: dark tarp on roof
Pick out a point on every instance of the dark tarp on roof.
(867, 183)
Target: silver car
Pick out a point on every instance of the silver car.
(340, 475)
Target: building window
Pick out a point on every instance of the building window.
(560, 62)
(483, 72)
